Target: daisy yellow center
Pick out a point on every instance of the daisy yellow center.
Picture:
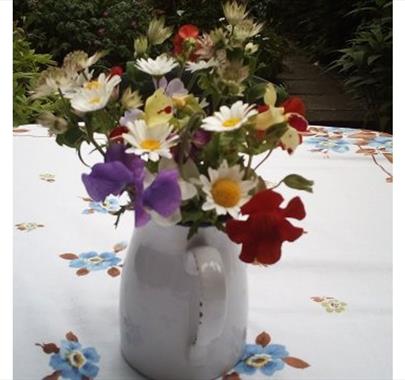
(150, 144)
(258, 361)
(231, 122)
(76, 359)
(95, 100)
(226, 192)
(92, 85)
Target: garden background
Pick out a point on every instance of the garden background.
(336, 55)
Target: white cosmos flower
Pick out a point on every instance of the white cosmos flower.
(156, 67)
(94, 94)
(228, 119)
(201, 65)
(225, 189)
(150, 143)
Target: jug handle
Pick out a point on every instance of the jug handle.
(213, 308)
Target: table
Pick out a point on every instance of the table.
(328, 302)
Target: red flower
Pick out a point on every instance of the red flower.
(294, 104)
(116, 70)
(186, 32)
(298, 122)
(267, 227)
(116, 134)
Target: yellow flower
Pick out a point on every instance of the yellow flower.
(274, 115)
(158, 108)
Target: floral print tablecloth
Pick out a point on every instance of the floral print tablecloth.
(324, 312)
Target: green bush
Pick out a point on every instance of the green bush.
(367, 61)
(26, 68)
(58, 27)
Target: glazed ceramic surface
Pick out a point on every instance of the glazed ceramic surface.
(183, 303)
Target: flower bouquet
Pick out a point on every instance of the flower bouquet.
(178, 130)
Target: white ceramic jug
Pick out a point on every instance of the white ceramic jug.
(183, 303)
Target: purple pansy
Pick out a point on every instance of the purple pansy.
(130, 117)
(121, 170)
(174, 87)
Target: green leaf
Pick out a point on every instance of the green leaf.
(298, 182)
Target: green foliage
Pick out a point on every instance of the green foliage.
(58, 27)
(367, 62)
(26, 67)
(356, 37)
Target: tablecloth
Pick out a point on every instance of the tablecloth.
(324, 310)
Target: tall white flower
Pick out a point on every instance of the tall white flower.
(201, 65)
(150, 143)
(95, 94)
(229, 119)
(225, 190)
(234, 12)
(156, 67)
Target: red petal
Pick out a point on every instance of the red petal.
(262, 108)
(294, 104)
(265, 200)
(178, 44)
(237, 230)
(188, 31)
(116, 70)
(298, 122)
(249, 252)
(295, 209)
(288, 232)
(269, 251)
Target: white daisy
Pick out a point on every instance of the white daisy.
(95, 94)
(225, 189)
(150, 143)
(156, 67)
(201, 65)
(229, 119)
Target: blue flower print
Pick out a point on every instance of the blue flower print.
(74, 362)
(92, 261)
(325, 144)
(110, 205)
(382, 143)
(266, 359)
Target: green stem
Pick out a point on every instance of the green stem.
(264, 159)
(92, 140)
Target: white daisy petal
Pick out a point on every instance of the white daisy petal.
(228, 118)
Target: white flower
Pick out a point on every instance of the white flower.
(95, 94)
(201, 65)
(234, 12)
(229, 119)
(156, 67)
(150, 142)
(225, 189)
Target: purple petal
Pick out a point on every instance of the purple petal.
(116, 152)
(141, 216)
(201, 138)
(176, 87)
(163, 195)
(130, 116)
(162, 83)
(105, 179)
